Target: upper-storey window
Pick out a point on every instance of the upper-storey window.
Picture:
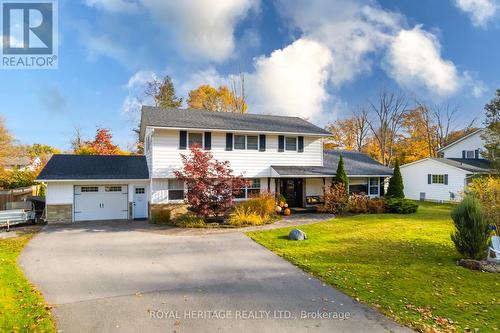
(195, 139)
(469, 154)
(291, 143)
(249, 142)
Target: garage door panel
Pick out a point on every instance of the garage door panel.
(101, 202)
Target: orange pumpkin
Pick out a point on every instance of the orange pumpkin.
(287, 212)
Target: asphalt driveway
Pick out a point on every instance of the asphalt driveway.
(126, 277)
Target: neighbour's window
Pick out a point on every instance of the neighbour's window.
(239, 142)
(251, 190)
(437, 179)
(252, 142)
(291, 143)
(175, 189)
(113, 189)
(374, 186)
(90, 189)
(469, 154)
(195, 139)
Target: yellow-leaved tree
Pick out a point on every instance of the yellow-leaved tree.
(220, 99)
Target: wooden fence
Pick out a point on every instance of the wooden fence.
(18, 194)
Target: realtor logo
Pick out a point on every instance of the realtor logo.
(29, 31)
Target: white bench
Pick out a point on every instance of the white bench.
(11, 217)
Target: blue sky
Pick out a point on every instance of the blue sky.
(316, 59)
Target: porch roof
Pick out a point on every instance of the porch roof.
(356, 164)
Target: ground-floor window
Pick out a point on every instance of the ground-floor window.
(374, 186)
(175, 189)
(251, 190)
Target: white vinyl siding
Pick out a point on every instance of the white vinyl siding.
(469, 144)
(250, 163)
(415, 180)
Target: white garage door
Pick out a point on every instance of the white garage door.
(101, 202)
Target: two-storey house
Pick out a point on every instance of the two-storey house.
(274, 153)
(445, 178)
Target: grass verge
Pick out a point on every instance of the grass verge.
(22, 308)
(402, 265)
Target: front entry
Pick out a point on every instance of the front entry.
(140, 203)
(292, 190)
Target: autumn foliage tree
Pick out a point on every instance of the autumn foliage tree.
(211, 183)
(220, 99)
(101, 145)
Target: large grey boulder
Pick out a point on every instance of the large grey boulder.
(297, 234)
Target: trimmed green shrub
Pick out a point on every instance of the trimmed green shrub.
(401, 206)
(161, 216)
(471, 235)
(396, 188)
(190, 220)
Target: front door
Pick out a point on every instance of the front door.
(292, 190)
(140, 203)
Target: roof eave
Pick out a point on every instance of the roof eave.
(236, 131)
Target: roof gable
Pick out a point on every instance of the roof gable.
(476, 132)
(225, 121)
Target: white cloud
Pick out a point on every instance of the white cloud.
(136, 85)
(414, 59)
(481, 12)
(113, 5)
(208, 76)
(203, 30)
(291, 81)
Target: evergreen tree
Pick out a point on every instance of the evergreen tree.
(341, 176)
(396, 187)
(471, 235)
(163, 93)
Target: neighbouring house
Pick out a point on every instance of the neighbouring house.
(22, 163)
(278, 154)
(445, 178)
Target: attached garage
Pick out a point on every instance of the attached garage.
(96, 188)
(94, 202)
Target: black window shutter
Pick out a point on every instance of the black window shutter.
(281, 143)
(262, 142)
(301, 144)
(182, 139)
(476, 154)
(208, 140)
(429, 178)
(463, 154)
(446, 179)
(229, 141)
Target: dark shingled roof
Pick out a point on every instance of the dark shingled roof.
(471, 165)
(191, 118)
(355, 163)
(87, 167)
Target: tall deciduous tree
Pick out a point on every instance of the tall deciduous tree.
(6, 143)
(388, 116)
(163, 93)
(350, 133)
(220, 99)
(211, 183)
(492, 135)
(101, 145)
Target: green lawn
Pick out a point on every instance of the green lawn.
(22, 308)
(402, 265)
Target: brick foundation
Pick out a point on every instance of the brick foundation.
(59, 213)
